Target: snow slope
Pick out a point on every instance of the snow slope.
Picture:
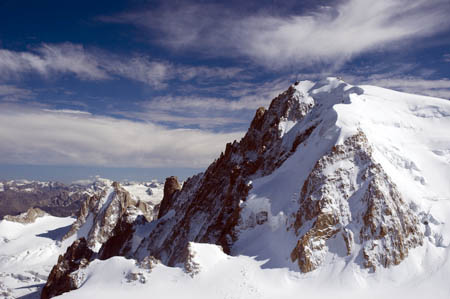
(223, 276)
(28, 253)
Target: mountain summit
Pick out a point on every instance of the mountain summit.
(345, 179)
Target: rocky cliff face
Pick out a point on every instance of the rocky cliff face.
(63, 276)
(128, 231)
(100, 214)
(348, 195)
(171, 186)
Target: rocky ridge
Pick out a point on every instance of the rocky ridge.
(206, 209)
(100, 214)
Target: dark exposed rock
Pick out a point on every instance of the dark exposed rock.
(61, 278)
(261, 217)
(171, 186)
(119, 244)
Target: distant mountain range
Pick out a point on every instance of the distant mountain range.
(57, 199)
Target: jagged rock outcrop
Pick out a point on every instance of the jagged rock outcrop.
(262, 150)
(171, 186)
(106, 227)
(349, 196)
(63, 278)
(100, 214)
(121, 242)
(89, 207)
(27, 217)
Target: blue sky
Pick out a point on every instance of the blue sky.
(108, 87)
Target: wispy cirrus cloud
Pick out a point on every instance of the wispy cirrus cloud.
(139, 68)
(329, 34)
(193, 112)
(206, 73)
(48, 59)
(63, 137)
(93, 64)
(233, 111)
(12, 93)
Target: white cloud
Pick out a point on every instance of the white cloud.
(140, 68)
(68, 58)
(234, 111)
(93, 64)
(33, 136)
(70, 111)
(13, 93)
(189, 120)
(189, 72)
(192, 111)
(181, 103)
(47, 59)
(328, 34)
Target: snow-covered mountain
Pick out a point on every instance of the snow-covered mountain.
(335, 190)
(328, 170)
